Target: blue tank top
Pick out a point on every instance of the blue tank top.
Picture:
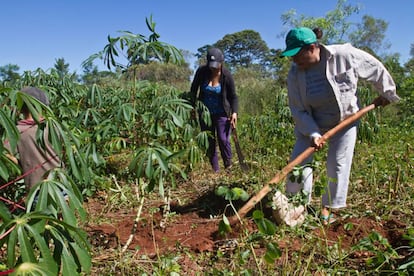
(212, 98)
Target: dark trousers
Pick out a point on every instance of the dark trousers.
(220, 132)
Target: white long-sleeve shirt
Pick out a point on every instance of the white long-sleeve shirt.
(345, 64)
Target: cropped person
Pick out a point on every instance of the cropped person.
(36, 160)
(213, 84)
(322, 91)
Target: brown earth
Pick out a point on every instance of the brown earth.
(194, 227)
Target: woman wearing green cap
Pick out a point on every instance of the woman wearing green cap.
(322, 91)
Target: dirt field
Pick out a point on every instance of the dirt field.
(193, 227)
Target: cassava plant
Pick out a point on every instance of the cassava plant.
(45, 237)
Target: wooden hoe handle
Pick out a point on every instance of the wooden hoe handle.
(297, 161)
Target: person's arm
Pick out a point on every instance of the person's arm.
(9, 153)
(195, 86)
(372, 70)
(233, 100)
(12, 158)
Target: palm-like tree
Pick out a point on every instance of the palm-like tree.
(137, 49)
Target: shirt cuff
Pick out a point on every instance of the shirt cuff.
(315, 135)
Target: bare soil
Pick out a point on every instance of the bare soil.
(193, 227)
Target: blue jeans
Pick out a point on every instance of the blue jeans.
(220, 132)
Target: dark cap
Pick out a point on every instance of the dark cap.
(36, 93)
(214, 57)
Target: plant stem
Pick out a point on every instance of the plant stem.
(137, 218)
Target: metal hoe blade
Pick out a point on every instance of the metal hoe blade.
(240, 155)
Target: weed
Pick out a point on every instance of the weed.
(383, 255)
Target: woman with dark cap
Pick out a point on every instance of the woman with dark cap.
(322, 91)
(213, 84)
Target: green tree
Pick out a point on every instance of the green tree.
(412, 50)
(201, 55)
(245, 48)
(278, 66)
(201, 52)
(92, 75)
(61, 67)
(335, 23)
(409, 67)
(393, 65)
(370, 34)
(335, 26)
(9, 72)
(137, 49)
(171, 74)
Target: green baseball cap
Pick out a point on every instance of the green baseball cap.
(296, 39)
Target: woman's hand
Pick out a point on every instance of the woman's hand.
(12, 158)
(318, 142)
(380, 101)
(233, 120)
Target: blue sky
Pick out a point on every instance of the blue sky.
(36, 33)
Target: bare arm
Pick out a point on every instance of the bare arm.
(12, 158)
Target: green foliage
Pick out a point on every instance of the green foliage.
(165, 73)
(407, 103)
(335, 24)
(267, 228)
(231, 194)
(147, 129)
(108, 120)
(49, 194)
(272, 252)
(368, 126)
(264, 225)
(167, 266)
(384, 254)
(370, 34)
(9, 73)
(10, 135)
(138, 49)
(256, 92)
(243, 49)
(169, 138)
(409, 264)
(269, 134)
(61, 67)
(46, 237)
(38, 242)
(224, 226)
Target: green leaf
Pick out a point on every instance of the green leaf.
(257, 214)
(222, 191)
(149, 170)
(176, 118)
(83, 257)
(11, 245)
(39, 241)
(12, 134)
(265, 226)
(25, 246)
(5, 214)
(272, 253)
(161, 186)
(239, 193)
(224, 226)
